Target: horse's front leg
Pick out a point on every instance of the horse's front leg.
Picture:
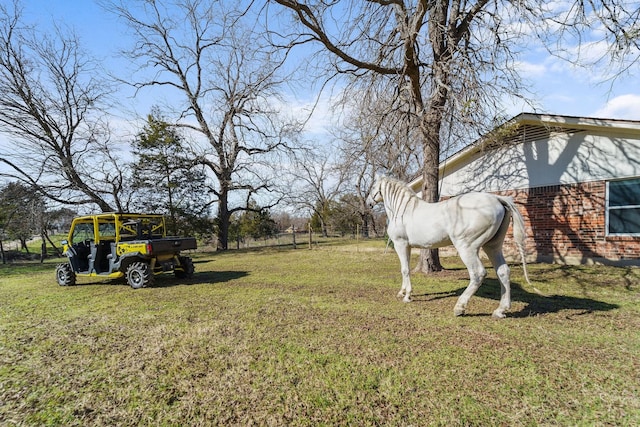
(404, 252)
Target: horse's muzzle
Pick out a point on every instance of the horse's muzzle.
(370, 202)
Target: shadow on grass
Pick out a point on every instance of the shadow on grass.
(536, 304)
(206, 277)
(168, 280)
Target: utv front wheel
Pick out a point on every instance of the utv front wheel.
(139, 275)
(65, 275)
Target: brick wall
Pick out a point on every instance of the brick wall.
(566, 223)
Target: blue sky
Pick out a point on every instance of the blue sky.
(560, 88)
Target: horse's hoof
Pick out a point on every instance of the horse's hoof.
(400, 295)
(458, 311)
(406, 300)
(498, 315)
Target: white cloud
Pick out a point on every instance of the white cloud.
(320, 114)
(621, 107)
(531, 70)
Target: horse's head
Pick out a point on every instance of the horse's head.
(375, 195)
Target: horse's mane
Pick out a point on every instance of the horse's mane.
(400, 185)
(399, 195)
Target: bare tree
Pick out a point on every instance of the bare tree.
(374, 138)
(563, 30)
(447, 61)
(228, 83)
(51, 100)
(21, 210)
(316, 183)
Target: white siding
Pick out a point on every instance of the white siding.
(560, 159)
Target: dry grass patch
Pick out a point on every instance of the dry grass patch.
(284, 337)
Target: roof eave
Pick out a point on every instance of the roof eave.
(573, 122)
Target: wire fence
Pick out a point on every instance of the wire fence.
(308, 239)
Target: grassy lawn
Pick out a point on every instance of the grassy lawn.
(317, 337)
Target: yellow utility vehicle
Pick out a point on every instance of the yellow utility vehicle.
(115, 245)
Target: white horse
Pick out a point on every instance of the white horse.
(468, 222)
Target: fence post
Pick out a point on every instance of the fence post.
(293, 229)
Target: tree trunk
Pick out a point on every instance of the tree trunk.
(23, 245)
(58, 253)
(365, 226)
(43, 250)
(323, 226)
(429, 261)
(431, 114)
(223, 219)
(431, 120)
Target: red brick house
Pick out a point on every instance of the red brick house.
(575, 179)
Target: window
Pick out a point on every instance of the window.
(623, 207)
(82, 231)
(107, 229)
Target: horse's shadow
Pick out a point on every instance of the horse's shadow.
(535, 304)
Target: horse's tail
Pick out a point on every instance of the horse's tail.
(519, 233)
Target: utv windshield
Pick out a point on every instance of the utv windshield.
(82, 232)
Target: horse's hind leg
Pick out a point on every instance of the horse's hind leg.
(404, 253)
(503, 272)
(477, 273)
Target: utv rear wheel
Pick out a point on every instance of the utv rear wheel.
(65, 275)
(139, 275)
(186, 268)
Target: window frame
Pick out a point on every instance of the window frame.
(81, 229)
(608, 208)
